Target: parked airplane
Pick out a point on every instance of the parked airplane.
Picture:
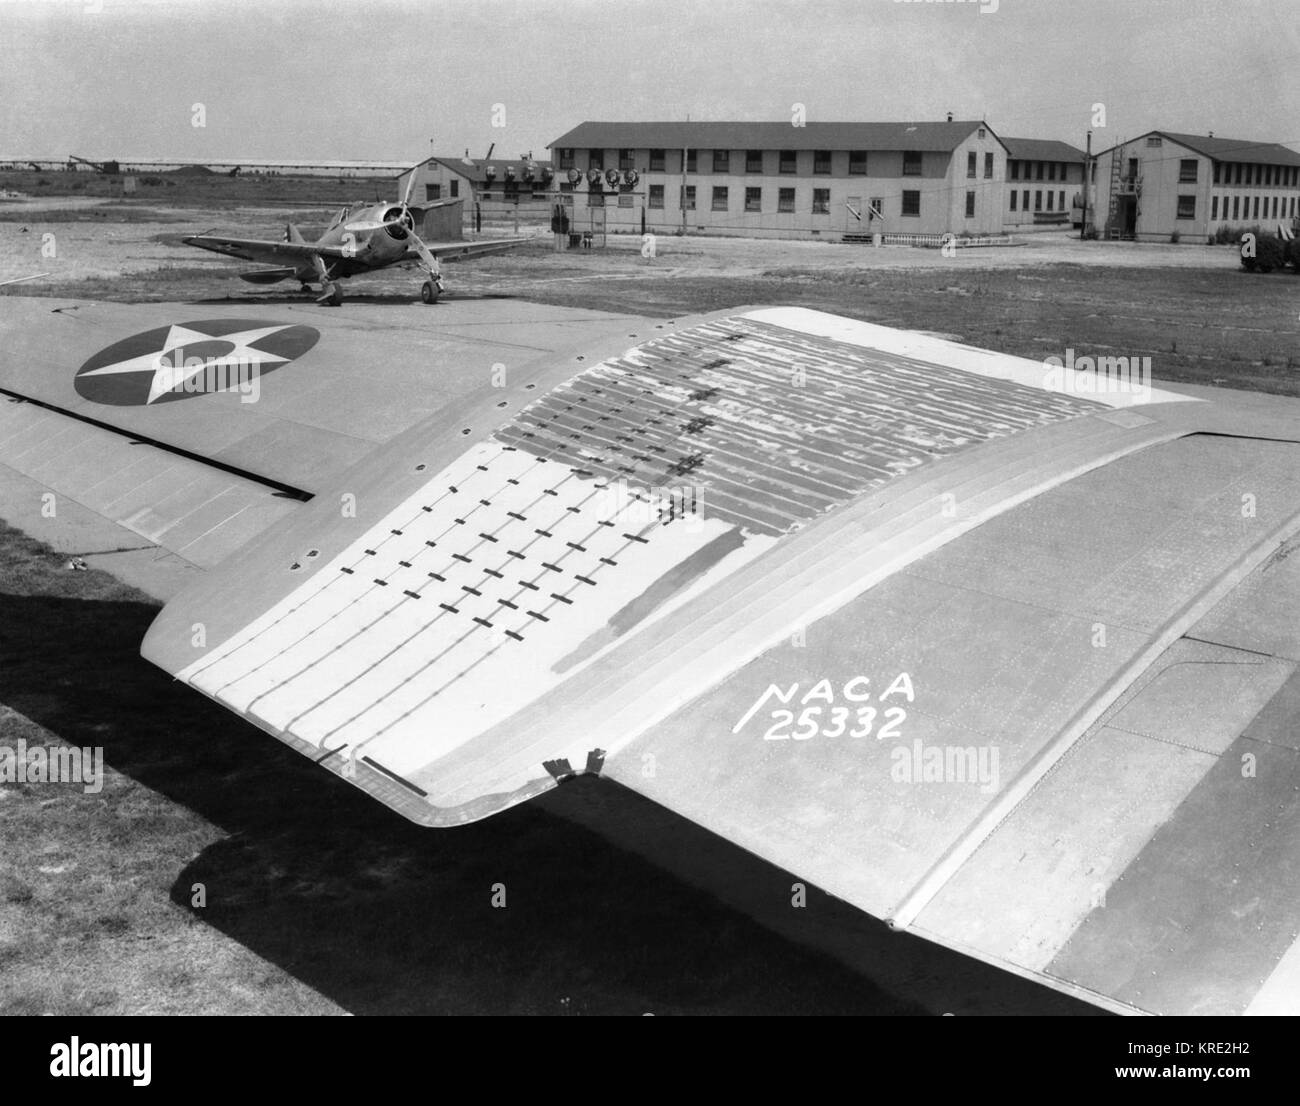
(362, 238)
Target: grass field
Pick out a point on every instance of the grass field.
(1221, 327)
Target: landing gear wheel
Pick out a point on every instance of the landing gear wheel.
(306, 287)
(333, 296)
(429, 292)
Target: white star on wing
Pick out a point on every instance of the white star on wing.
(171, 373)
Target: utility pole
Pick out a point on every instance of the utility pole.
(1087, 168)
(685, 155)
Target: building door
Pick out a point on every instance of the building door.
(855, 218)
(597, 231)
(1126, 217)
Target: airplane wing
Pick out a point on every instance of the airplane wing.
(998, 653)
(178, 469)
(451, 251)
(255, 249)
(294, 253)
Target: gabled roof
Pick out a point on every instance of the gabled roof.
(1225, 149)
(1042, 149)
(475, 169)
(1236, 149)
(941, 137)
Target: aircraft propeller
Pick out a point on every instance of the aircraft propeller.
(404, 218)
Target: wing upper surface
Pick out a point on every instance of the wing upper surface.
(273, 400)
(973, 653)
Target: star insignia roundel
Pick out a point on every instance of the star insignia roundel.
(190, 359)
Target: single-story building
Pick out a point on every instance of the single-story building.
(478, 180)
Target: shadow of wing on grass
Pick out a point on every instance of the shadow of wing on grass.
(377, 914)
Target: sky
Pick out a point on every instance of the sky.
(396, 80)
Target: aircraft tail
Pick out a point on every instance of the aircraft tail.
(292, 233)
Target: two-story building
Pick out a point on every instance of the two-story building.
(782, 180)
(1044, 186)
(1163, 183)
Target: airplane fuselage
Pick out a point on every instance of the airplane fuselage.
(371, 236)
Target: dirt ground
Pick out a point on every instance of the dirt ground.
(1190, 308)
(106, 237)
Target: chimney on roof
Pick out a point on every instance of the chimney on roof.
(949, 117)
